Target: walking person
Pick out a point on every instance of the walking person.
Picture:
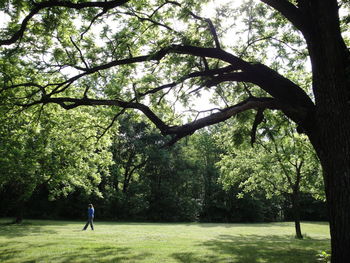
(91, 212)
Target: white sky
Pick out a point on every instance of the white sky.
(209, 11)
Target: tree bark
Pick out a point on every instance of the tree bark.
(18, 219)
(338, 199)
(330, 131)
(333, 150)
(328, 127)
(296, 214)
(19, 212)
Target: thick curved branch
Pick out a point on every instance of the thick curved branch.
(64, 85)
(60, 87)
(71, 103)
(177, 132)
(106, 5)
(205, 73)
(298, 105)
(248, 104)
(196, 51)
(269, 80)
(16, 36)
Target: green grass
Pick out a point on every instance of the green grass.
(63, 241)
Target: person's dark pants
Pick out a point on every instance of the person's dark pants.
(89, 222)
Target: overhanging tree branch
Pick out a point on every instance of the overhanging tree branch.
(177, 132)
(297, 103)
(248, 104)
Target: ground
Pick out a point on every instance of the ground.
(63, 241)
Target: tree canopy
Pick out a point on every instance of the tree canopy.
(167, 48)
(60, 150)
(282, 163)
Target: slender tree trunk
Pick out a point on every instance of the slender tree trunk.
(127, 173)
(115, 183)
(19, 212)
(18, 219)
(296, 214)
(126, 181)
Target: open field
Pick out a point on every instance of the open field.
(63, 241)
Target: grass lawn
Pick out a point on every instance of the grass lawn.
(63, 241)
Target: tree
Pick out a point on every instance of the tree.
(49, 152)
(206, 148)
(130, 149)
(128, 54)
(206, 154)
(133, 143)
(281, 164)
(174, 186)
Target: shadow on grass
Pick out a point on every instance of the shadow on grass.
(256, 249)
(52, 250)
(245, 225)
(104, 254)
(253, 225)
(21, 230)
(8, 254)
(221, 249)
(101, 254)
(9, 229)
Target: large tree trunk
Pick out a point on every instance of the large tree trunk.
(333, 148)
(337, 176)
(335, 159)
(330, 132)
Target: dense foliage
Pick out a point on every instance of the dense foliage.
(51, 148)
(144, 183)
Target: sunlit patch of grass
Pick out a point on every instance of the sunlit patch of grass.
(61, 241)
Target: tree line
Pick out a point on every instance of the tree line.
(128, 174)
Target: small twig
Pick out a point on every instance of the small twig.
(142, 19)
(161, 97)
(197, 89)
(251, 43)
(247, 89)
(40, 112)
(111, 124)
(221, 94)
(205, 62)
(93, 21)
(80, 52)
(212, 28)
(86, 91)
